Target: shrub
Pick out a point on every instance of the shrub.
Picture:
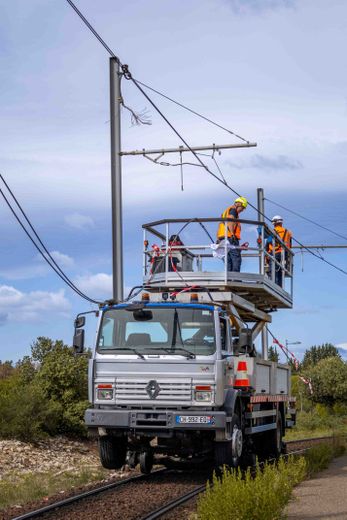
(24, 413)
(44, 394)
(240, 496)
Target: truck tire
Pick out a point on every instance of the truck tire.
(112, 452)
(277, 438)
(146, 462)
(273, 440)
(229, 453)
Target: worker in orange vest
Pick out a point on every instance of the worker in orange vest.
(275, 248)
(233, 233)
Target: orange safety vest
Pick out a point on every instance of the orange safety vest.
(221, 228)
(286, 237)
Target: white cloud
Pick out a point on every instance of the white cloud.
(62, 259)
(79, 221)
(96, 285)
(17, 306)
(38, 269)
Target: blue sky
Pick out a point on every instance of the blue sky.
(272, 70)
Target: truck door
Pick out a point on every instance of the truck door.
(225, 334)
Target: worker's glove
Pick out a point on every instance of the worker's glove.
(245, 245)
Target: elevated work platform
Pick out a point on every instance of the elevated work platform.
(173, 265)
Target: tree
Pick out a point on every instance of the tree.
(273, 355)
(329, 381)
(6, 369)
(317, 353)
(45, 393)
(62, 379)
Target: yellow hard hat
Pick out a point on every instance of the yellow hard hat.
(242, 200)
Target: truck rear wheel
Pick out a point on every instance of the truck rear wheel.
(112, 451)
(276, 439)
(272, 441)
(229, 453)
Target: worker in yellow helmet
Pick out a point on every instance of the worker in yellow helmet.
(233, 232)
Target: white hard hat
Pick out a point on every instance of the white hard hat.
(277, 218)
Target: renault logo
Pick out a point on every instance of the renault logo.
(153, 389)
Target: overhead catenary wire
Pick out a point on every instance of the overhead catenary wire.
(44, 251)
(192, 111)
(306, 218)
(127, 75)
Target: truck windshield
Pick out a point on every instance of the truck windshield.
(180, 331)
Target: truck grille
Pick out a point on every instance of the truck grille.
(155, 390)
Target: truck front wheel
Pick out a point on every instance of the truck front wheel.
(112, 451)
(229, 453)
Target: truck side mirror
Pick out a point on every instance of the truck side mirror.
(78, 341)
(80, 322)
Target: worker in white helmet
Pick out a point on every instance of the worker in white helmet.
(275, 248)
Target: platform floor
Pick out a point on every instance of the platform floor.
(323, 497)
(256, 288)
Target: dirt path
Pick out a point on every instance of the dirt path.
(324, 497)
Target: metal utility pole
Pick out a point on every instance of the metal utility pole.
(116, 180)
(261, 213)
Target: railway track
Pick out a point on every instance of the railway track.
(141, 497)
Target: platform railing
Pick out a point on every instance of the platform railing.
(166, 257)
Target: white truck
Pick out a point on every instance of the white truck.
(176, 372)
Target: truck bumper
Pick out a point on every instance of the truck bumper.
(155, 420)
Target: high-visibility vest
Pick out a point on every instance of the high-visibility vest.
(221, 228)
(286, 237)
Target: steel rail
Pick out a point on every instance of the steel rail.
(174, 503)
(86, 494)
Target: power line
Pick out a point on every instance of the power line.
(307, 219)
(91, 28)
(127, 75)
(110, 51)
(192, 111)
(51, 262)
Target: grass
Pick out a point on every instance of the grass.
(299, 433)
(19, 490)
(315, 424)
(240, 495)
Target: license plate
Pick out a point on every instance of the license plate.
(194, 419)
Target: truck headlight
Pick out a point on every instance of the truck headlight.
(104, 392)
(203, 393)
(203, 396)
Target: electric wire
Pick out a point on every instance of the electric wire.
(51, 262)
(110, 51)
(191, 111)
(91, 28)
(306, 218)
(129, 76)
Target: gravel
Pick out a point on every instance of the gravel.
(133, 501)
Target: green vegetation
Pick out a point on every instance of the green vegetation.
(316, 353)
(34, 486)
(322, 409)
(44, 394)
(273, 354)
(241, 496)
